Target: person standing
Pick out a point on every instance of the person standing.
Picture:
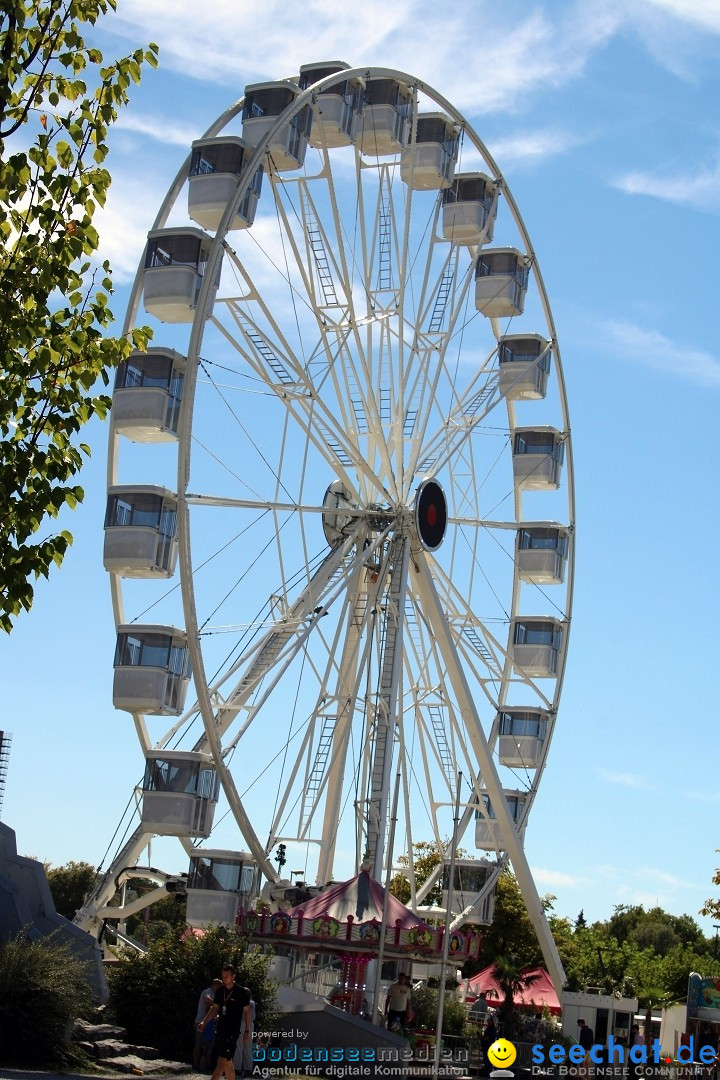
(231, 1007)
(202, 1038)
(488, 1037)
(243, 1059)
(397, 1005)
(586, 1036)
(635, 1039)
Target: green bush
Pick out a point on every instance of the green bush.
(425, 1006)
(155, 995)
(43, 989)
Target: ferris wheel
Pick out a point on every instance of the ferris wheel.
(340, 521)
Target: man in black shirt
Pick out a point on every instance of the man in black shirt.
(586, 1037)
(232, 1002)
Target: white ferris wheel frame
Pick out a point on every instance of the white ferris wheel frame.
(416, 562)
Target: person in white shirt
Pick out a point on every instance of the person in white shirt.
(397, 1004)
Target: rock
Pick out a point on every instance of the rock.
(131, 1063)
(111, 1048)
(93, 1032)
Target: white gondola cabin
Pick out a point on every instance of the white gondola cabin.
(487, 830)
(336, 111)
(175, 263)
(469, 879)
(385, 119)
(541, 553)
(428, 163)
(215, 169)
(469, 209)
(536, 644)
(140, 531)
(219, 882)
(147, 396)
(152, 670)
(501, 281)
(263, 105)
(180, 793)
(538, 455)
(522, 734)
(524, 365)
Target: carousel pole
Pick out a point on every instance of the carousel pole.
(386, 902)
(446, 935)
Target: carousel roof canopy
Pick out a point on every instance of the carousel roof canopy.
(349, 917)
(362, 897)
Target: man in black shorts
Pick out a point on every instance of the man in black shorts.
(232, 1002)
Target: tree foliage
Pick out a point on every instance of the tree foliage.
(43, 988)
(69, 885)
(155, 995)
(57, 102)
(711, 906)
(425, 1002)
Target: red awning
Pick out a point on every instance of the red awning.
(540, 994)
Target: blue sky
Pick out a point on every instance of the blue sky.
(603, 117)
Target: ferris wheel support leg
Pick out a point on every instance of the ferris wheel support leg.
(486, 769)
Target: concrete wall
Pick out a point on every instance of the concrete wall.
(26, 905)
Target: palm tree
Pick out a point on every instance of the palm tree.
(511, 980)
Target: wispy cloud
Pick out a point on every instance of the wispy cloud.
(558, 878)
(509, 51)
(704, 14)
(699, 188)
(652, 349)
(156, 127)
(524, 51)
(123, 225)
(625, 779)
(531, 146)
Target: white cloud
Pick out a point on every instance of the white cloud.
(556, 878)
(508, 52)
(625, 779)
(531, 146)
(663, 877)
(156, 127)
(654, 350)
(699, 188)
(123, 225)
(704, 14)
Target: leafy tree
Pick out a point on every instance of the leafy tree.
(69, 885)
(59, 99)
(155, 995)
(160, 918)
(711, 907)
(43, 988)
(427, 857)
(511, 933)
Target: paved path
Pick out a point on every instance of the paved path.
(39, 1074)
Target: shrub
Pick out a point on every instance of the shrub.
(425, 1006)
(43, 988)
(155, 995)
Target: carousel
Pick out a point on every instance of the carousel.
(357, 921)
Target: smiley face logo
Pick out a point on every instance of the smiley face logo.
(502, 1053)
